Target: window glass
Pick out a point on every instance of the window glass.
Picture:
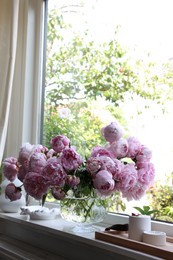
(107, 60)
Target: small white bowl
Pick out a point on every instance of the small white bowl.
(156, 238)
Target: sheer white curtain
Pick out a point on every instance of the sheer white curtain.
(9, 10)
(21, 41)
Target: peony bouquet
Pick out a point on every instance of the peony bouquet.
(122, 165)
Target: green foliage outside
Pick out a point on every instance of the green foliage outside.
(161, 197)
(82, 127)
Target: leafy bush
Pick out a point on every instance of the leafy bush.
(82, 126)
(161, 197)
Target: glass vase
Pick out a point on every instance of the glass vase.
(84, 212)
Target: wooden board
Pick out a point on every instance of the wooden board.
(121, 239)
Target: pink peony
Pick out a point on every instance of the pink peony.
(100, 151)
(35, 185)
(93, 164)
(37, 162)
(23, 170)
(53, 159)
(10, 168)
(118, 148)
(104, 182)
(135, 193)
(146, 173)
(39, 148)
(59, 143)
(12, 192)
(25, 152)
(144, 155)
(107, 164)
(112, 132)
(54, 172)
(118, 168)
(70, 159)
(50, 153)
(72, 181)
(127, 179)
(57, 193)
(134, 147)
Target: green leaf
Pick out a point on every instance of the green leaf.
(139, 209)
(146, 208)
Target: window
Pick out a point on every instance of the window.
(33, 9)
(85, 90)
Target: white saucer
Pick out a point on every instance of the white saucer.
(39, 212)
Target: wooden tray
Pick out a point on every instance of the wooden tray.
(121, 239)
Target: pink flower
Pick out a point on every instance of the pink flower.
(93, 164)
(25, 152)
(39, 148)
(70, 159)
(127, 179)
(100, 151)
(50, 153)
(144, 155)
(146, 173)
(72, 181)
(53, 159)
(59, 143)
(107, 164)
(10, 168)
(35, 185)
(134, 147)
(57, 193)
(135, 193)
(37, 162)
(104, 182)
(54, 172)
(112, 132)
(118, 168)
(23, 170)
(12, 192)
(118, 148)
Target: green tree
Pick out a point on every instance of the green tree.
(80, 70)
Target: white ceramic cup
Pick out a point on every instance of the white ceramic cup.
(137, 225)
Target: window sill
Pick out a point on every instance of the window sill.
(52, 238)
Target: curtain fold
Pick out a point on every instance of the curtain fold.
(9, 10)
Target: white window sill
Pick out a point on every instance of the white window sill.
(52, 238)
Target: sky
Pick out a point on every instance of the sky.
(144, 23)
